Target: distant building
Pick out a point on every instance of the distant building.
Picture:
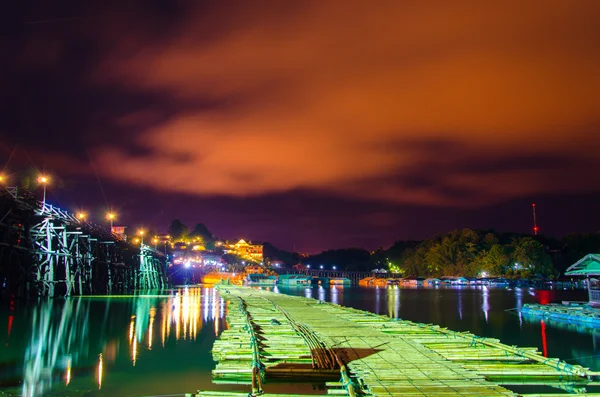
(254, 269)
(119, 231)
(246, 250)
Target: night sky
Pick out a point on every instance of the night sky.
(309, 124)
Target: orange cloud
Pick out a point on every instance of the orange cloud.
(325, 97)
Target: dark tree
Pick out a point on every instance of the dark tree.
(177, 230)
(342, 259)
(201, 231)
(272, 253)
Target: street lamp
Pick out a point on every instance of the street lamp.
(81, 216)
(141, 233)
(2, 177)
(43, 179)
(155, 241)
(111, 216)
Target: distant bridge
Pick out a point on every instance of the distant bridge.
(355, 276)
(46, 251)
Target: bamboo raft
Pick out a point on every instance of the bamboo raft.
(279, 336)
(583, 314)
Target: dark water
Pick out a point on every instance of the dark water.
(117, 346)
(159, 345)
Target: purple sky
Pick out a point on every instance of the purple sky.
(308, 123)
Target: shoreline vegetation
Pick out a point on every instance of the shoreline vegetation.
(459, 253)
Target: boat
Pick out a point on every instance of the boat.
(432, 281)
(294, 279)
(260, 280)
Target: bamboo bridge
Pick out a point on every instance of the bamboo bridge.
(46, 251)
(273, 337)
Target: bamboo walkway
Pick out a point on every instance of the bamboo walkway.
(279, 336)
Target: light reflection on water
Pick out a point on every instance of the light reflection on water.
(321, 293)
(485, 306)
(377, 299)
(460, 306)
(64, 335)
(519, 304)
(57, 339)
(145, 345)
(394, 303)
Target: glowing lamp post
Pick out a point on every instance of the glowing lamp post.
(81, 216)
(44, 181)
(155, 241)
(2, 179)
(141, 233)
(111, 217)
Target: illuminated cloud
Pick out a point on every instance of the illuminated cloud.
(348, 100)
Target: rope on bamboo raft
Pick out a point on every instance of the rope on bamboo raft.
(257, 366)
(322, 357)
(322, 352)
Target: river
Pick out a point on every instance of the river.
(154, 345)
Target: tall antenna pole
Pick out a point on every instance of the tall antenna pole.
(535, 228)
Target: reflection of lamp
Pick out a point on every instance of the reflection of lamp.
(100, 371)
(56, 334)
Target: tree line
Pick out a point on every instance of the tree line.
(466, 252)
(472, 253)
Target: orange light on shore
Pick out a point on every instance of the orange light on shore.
(141, 233)
(43, 179)
(81, 215)
(111, 217)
